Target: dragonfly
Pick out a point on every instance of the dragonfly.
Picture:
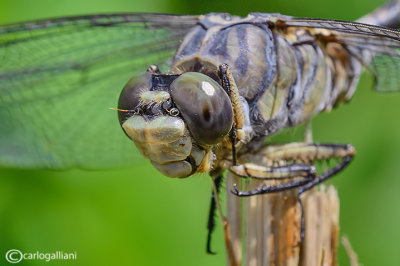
(255, 76)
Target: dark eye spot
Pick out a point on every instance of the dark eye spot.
(206, 113)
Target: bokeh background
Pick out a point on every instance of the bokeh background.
(135, 216)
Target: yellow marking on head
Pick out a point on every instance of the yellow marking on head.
(154, 97)
(205, 165)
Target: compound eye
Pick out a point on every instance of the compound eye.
(129, 98)
(204, 105)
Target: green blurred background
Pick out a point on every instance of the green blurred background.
(136, 216)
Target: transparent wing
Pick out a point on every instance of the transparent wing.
(58, 79)
(377, 48)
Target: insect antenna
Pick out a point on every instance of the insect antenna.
(120, 110)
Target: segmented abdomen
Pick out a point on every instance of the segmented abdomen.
(286, 76)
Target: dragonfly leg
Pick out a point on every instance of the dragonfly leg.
(229, 85)
(212, 213)
(264, 189)
(302, 186)
(326, 175)
(302, 227)
(225, 223)
(233, 138)
(309, 152)
(274, 173)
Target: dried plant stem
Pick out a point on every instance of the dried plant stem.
(268, 227)
(350, 251)
(234, 217)
(232, 260)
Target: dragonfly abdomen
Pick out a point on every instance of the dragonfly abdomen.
(286, 77)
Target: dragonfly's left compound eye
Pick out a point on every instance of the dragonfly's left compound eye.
(204, 105)
(130, 96)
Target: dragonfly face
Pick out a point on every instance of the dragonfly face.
(176, 120)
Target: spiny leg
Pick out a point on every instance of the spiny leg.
(302, 185)
(308, 138)
(310, 152)
(307, 152)
(326, 175)
(331, 172)
(302, 228)
(273, 173)
(229, 85)
(270, 189)
(236, 133)
(211, 214)
(233, 138)
(225, 223)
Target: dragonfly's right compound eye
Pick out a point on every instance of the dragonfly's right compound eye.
(130, 96)
(204, 105)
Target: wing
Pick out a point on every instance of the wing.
(59, 77)
(377, 48)
(387, 15)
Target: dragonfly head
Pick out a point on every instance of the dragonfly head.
(176, 120)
